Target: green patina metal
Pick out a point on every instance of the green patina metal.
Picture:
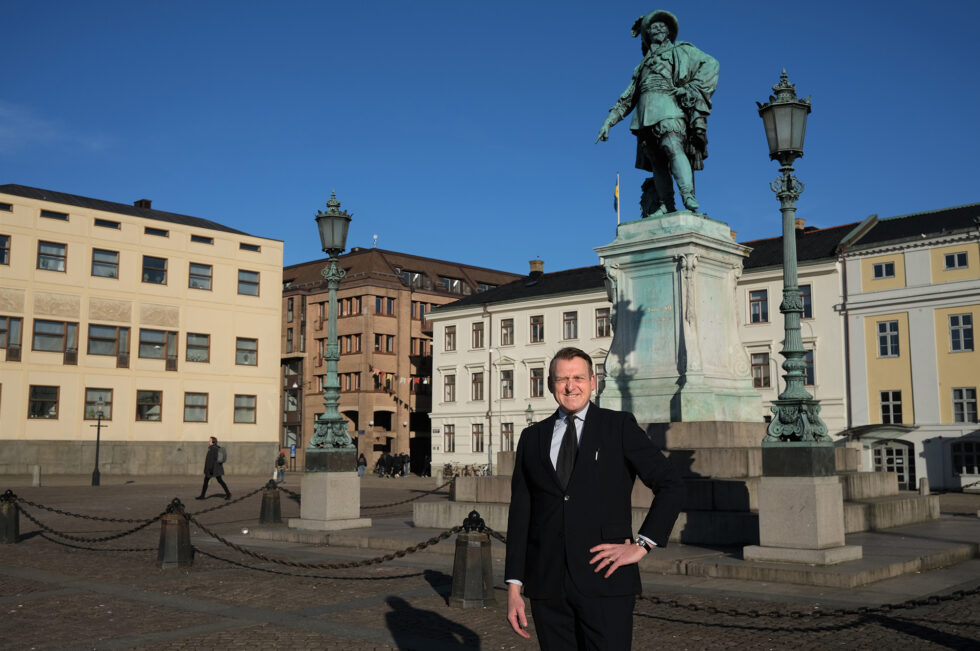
(796, 414)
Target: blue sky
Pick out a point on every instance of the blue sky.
(465, 130)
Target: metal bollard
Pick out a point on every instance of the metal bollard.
(271, 512)
(175, 538)
(472, 567)
(9, 518)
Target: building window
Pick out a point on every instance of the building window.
(244, 409)
(195, 407)
(478, 437)
(105, 263)
(449, 438)
(537, 328)
(390, 306)
(966, 458)
(507, 332)
(956, 260)
(891, 407)
(198, 347)
(51, 214)
(159, 232)
(246, 351)
(809, 376)
(478, 334)
(92, 406)
(807, 301)
(537, 382)
(157, 344)
(961, 332)
(289, 340)
(42, 402)
(411, 278)
(449, 387)
(289, 310)
(108, 223)
(759, 306)
(4, 249)
(760, 370)
(603, 323)
(450, 341)
(883, 270)
(149, 405)
(570, 325)
(476, 387)
(154, 270)
(202, 239)
(199, 276)
(453, 285)
(384, 343)
(51, 256)
(506, 437)
(888, 339)
(248, 282)
(10, 332)
(506, 383)
(107, 340)
(965, 405)
(249, 247)
(485, 287)
(6, 207)
(55, 336)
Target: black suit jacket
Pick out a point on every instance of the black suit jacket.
(550, 530)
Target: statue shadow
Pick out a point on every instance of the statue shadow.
(425, 630)
(623, 343)
(441, 583)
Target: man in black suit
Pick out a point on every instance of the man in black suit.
(569, 529)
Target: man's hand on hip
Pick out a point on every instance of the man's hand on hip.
(515, 610)
(615, 556)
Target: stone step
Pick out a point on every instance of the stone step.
(867, 485)
(879, 513)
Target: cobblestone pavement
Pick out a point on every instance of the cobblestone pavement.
(56, 595)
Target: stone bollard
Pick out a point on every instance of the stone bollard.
(271, 512)
(472, 567)
(924, 486)
(175, 538)
(9, 518)
(35, 475)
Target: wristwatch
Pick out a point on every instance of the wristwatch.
(644, 544)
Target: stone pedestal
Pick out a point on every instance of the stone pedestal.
(331, 498)
(676, 355)
(801, 520)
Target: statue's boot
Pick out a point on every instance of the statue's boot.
(665, 190)
(690, 202)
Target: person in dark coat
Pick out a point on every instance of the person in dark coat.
(214, 466)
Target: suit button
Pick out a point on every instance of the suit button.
(566, 498)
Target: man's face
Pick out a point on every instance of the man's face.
(211, 441)
(656, 33)
(572, 385)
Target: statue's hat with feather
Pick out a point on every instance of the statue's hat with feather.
(657, 16)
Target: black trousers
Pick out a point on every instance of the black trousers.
(575, 621)
(207, 479)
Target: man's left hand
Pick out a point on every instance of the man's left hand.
(615, 556)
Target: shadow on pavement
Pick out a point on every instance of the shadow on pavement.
(424, 630)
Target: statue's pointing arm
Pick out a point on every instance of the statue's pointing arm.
(620, 109)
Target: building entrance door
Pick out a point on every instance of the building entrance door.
(896, 456)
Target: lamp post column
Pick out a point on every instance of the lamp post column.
(330, 430)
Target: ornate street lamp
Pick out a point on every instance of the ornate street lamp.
(330, 429)
(529, 414)
(99, 415)
(797, 413)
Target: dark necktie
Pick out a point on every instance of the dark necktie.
(567, 452)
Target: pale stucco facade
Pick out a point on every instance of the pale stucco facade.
(173, 321)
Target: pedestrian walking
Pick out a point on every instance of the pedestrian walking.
(281, 467)
(214, 467)
(361, 465)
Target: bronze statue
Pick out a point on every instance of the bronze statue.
(670, 97)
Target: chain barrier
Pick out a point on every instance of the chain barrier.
(21, 500)
(97, 549)
(227, 503)
(198, 550)
(411, 499)
(68, 536)
(327, 566)
(863, 611)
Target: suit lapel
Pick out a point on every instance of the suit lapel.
(589, 442)
(546, 429)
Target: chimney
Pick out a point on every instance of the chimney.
(537, 268)
(142, 203)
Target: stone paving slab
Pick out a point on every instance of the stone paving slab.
(54, 596)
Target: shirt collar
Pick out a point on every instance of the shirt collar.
(580, 415)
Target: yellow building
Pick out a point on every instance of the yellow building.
(168, 324)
